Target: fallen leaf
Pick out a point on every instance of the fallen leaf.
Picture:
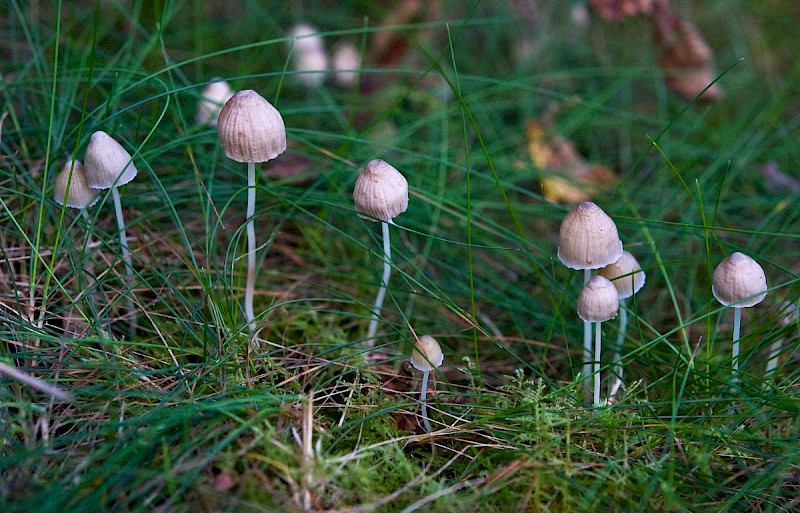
(566, 176)
(685, 57)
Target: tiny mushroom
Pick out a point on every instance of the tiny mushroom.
(309, 57)
(212, 99)
(627, 276)
(598, 302)
(739, 282)
(251, 130)
(426, 356)
(380, 193)
(71, 187)
(108, 166)
(346, 63)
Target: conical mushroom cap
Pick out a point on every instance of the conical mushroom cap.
(79, 194)
(426, 354)
(739, 277)
(107, 163)
(250, 128)
(588, 238)
(599, 300)
(626, 274)
(381, 192)
(214, 96)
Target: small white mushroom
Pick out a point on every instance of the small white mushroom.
(380, 193)
(627, 276)
(251, 130)
(739, 282)
(426, 356)
(598, 302)
(212, 99)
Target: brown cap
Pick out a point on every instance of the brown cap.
(599, 300)
(426, 354)
(107, 163)
(381, 192)
(588, 238)
(626, 274)
(250, 128)
(739, 277)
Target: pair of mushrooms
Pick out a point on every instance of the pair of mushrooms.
(588, 239)
(107, 165)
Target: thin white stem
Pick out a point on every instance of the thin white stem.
(737, 323)
(618, 368)
(387, 272)
(597, 347)
(587, 338)
(774, 354)
(249, 290)
(126, 257)
(423, 396)
(88, 220)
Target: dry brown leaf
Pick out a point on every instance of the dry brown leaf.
(568, 177)
(685, 57)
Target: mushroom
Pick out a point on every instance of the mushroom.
(310, 58)
(588, 239)
(73, 191)
(426, 355)
(627, 276)
(739, 282)
(251, 130)
(108, 165)
(380, 193)
(346, 63)
(598, 302)
(212, 99)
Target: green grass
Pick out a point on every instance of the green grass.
(159, 421)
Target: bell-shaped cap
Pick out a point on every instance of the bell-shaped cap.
(739, 281)
(599, 300)
(78, 194)
(588, 238)
(107, 163)
(212, 99)
(381, 191)
(626, 274)
(250, 128)
(426, 354)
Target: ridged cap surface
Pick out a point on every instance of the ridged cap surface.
(599, 300)
(426, 354)
(250, 128)
(79, 194)
(588, 238)
(381, 192)
(106, 163)
(626, 274)
(738, 277)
